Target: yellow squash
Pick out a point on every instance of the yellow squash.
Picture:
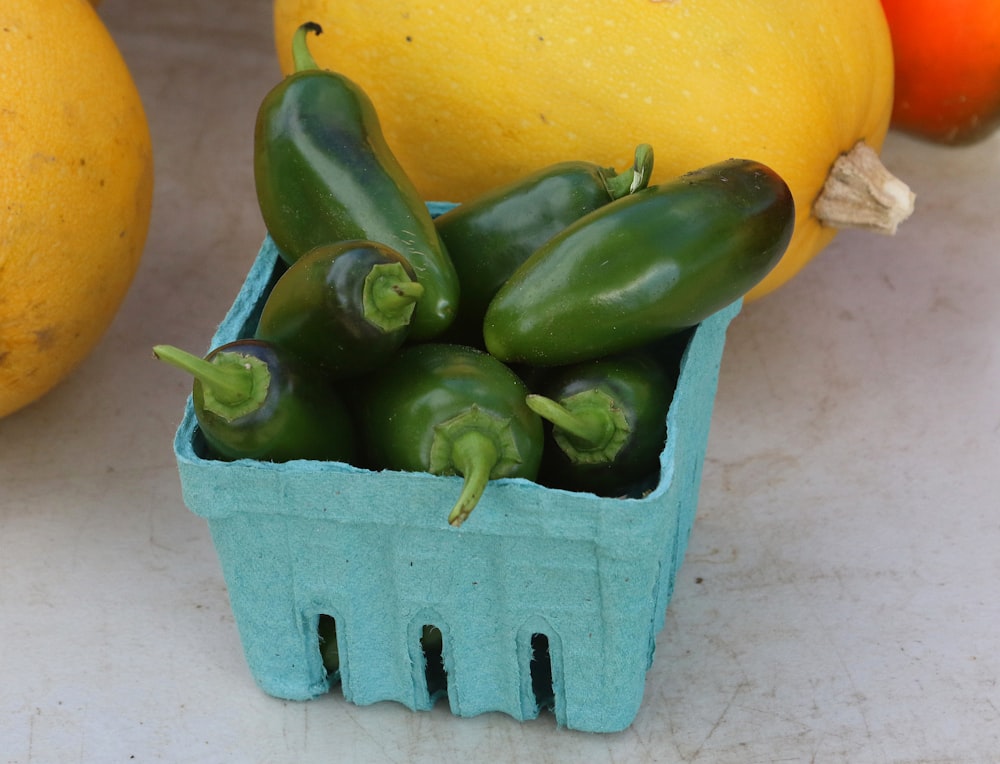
(76, 184)
(472, 95)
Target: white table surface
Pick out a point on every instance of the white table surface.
(840, 601)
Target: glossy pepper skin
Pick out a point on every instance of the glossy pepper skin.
(344, 307)
(450, 409)
(608, 421)
(643, 267)
(252, 401)
(489, 237)
(323, 173)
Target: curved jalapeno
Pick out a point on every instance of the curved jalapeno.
(344, 307)
(643, 267)
(447, 410)
(252, 401)
(608, 421)
(490, 236)
(323, 173)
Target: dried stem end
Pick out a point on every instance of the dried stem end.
(861, 193)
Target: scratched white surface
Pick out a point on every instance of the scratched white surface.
(841, 597)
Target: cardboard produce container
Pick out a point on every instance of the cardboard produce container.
(544, 597)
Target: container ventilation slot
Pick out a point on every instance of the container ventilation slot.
(328, 647)
(434, 670)
(541, 672)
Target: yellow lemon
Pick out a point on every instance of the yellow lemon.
(472, 95)
(76, 180)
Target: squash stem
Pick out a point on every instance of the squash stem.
(861, 193)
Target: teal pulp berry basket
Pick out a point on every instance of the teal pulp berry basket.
(544, 598)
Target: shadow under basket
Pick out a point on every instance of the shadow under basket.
(543, 599)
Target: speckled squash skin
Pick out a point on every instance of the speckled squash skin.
(76, 184)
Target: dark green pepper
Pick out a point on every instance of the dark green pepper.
(490, 236)
(608, 421)
(324, 173)
(450, 409)
(643, 267)
(344, 307)
(253, 401)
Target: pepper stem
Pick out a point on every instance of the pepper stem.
(474, 456)
(477, 445)
(233, 384)
(301, 57)
(635, 178)
(390, 296)
(590, 427)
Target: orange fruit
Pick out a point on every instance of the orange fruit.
(76, 183)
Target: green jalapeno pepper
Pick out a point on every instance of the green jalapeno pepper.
(608, 421)
(490, 236)
(643, 267)
(252, 401)
(323, 173)
(344, 307)
(450, 409)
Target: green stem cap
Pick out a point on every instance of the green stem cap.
(589, 426)
(636, 177)
(233, 384)
(390, 296)
(477, 445)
